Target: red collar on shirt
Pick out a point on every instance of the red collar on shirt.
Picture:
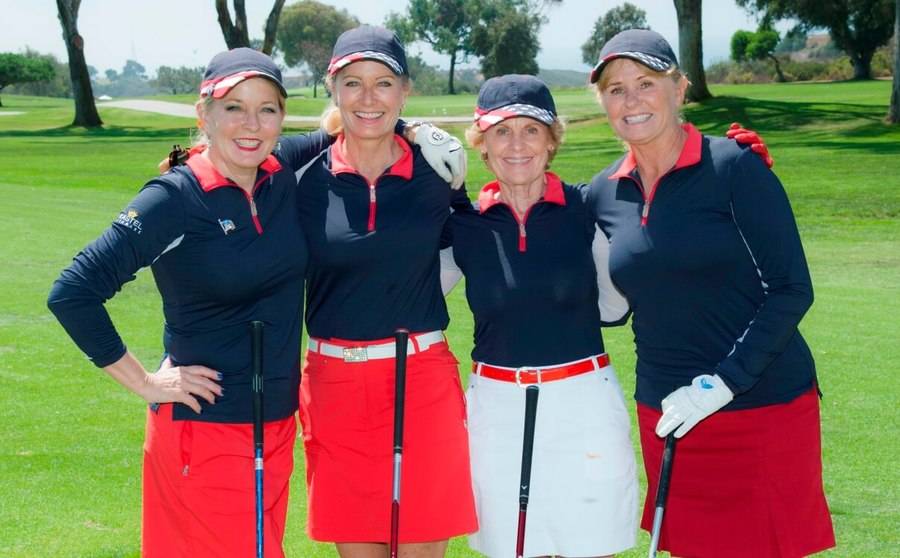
(490, 193)
(210, 178)
(403, 167)
(690, 154)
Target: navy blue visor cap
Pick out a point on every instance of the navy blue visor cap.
(641, 45)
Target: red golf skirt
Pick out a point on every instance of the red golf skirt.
(745, 484)
(199, 496)
(347, 414)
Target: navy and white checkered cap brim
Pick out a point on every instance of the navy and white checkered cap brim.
(653, 62)
(336, 65)
(219, 88)
(495, 116)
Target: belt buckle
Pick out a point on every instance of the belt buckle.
(521, 369)
(355, 354)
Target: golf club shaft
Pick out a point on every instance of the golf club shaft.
(256, 349)
(662, 492)
(401, 340)
(531, 400)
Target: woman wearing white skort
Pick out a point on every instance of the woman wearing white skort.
(535, 269)
(583, 498)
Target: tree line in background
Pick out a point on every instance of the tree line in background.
(17, 70)
(502, 34)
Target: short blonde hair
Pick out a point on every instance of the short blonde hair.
(475, 136)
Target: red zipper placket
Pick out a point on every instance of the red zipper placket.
(645, 213)
(372, 206)
(250, 200)
(523, 235)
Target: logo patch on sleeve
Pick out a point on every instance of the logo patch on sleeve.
(129, 219)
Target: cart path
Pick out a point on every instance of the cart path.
(187, 111)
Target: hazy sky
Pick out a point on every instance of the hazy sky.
(186, 32)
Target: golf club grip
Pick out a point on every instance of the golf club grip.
(256, 380)
(662, 492)
(531, 400)
(401, 340)
(665, 472)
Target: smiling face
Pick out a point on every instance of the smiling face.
(518, 150)
(642, 105)
(243, 126)
(369, 96)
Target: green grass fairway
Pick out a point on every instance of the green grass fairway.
(70, 442)
(575, 104)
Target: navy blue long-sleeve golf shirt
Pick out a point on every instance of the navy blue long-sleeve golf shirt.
(531, 283)
(374, 264)
(714, 271)
(221, 258)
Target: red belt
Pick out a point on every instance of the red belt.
(531, 375)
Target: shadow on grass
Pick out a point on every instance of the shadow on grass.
(832, 125)
(33, 103)
(112, 132)
(778, 115)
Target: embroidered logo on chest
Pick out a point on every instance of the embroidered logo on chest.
(227, 225)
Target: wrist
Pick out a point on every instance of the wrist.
(410, 129)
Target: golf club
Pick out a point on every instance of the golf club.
(256, 350)
(662, 491)
(401, 339)
(531, 400)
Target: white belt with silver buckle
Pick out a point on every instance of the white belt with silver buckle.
(361, 353)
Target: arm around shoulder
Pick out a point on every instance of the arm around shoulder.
(614, 308)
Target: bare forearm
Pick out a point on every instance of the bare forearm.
(130, 373)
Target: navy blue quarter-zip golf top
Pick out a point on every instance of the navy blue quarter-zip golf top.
(713, 268)
(374, 263)
(530, 283)
(221, 258)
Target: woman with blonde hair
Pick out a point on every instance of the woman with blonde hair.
(704, 246)
(373, 212)
(213, 233)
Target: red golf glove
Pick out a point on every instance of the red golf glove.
(742, 135)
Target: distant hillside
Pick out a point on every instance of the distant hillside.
(563, 78)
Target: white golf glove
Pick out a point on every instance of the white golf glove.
(688, 405)
(443, 152)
